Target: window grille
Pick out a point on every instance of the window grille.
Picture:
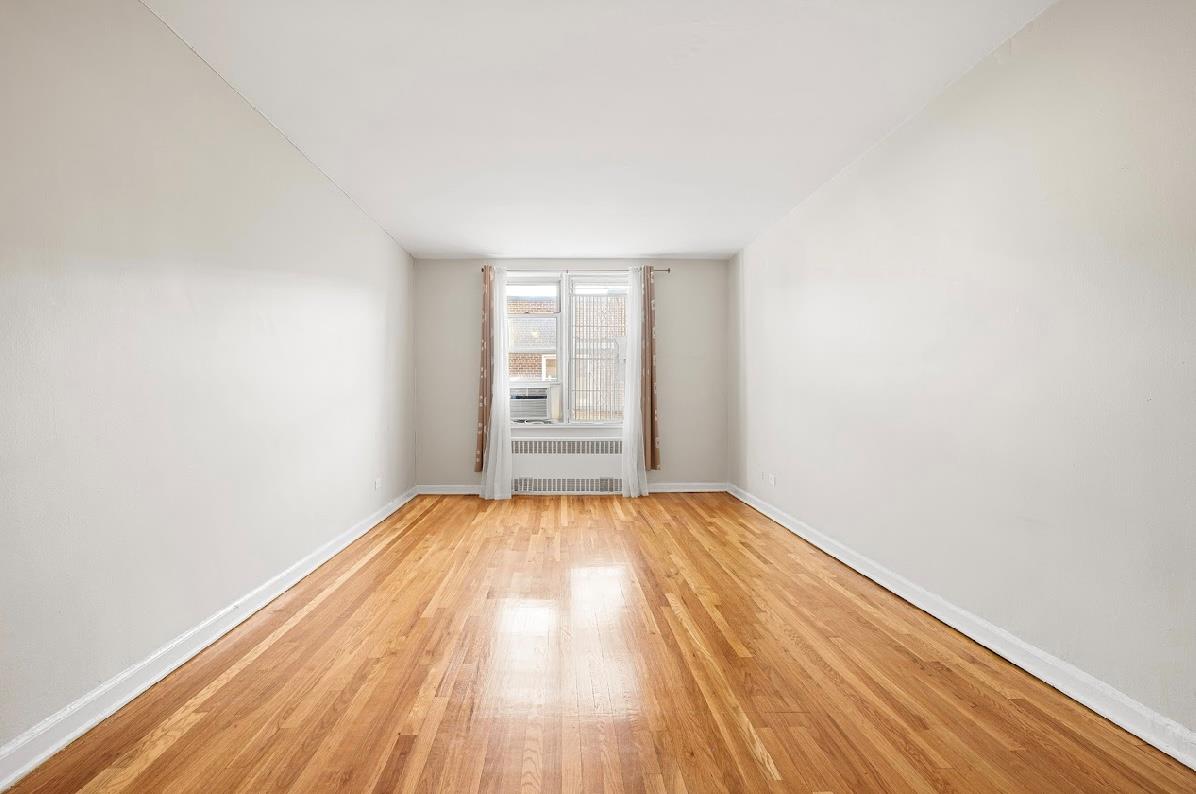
(597, 316)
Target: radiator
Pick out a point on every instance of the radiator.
(566, 465)
(558, 485)
(567, 446)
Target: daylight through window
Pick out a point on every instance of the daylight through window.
(567, 347)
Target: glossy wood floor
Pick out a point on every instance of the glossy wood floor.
(676, 643)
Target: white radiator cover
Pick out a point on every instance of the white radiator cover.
(566, 465)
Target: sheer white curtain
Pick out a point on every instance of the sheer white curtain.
(634, 470)
(496, 473)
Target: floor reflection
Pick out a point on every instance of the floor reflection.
(596, 593)
(570, 657)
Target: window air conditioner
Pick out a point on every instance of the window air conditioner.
(529, 404)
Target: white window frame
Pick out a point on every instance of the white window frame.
(564, 281)
(533, 280)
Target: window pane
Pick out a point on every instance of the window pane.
(598, 319)
(532, 366)
(533, 298)
(526, 366)
(531, 333)
(599, 288)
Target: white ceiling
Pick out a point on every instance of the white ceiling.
(581, 128)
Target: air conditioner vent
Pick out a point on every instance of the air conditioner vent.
(529, 404)
(567, 485)
(567, 446)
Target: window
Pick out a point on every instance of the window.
(567, 351)
(597, 339)
(533, 323)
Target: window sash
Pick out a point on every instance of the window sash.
(597, 356)
(537, 280)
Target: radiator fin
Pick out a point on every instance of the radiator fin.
(559, 485)
(567, 446)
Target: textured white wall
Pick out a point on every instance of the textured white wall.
(205, 350)
(972, 356)
(690, 379)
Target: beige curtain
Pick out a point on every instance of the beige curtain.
(486, 371)
(648, 376)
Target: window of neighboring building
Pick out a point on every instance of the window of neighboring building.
(567, 351)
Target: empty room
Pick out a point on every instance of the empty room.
(670, 396)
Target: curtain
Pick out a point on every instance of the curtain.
(633, 470)
(486, 372)
(648, 409)
(496, 464)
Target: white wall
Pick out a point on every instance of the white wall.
(972, 356)
(691, 365)
(205, 350)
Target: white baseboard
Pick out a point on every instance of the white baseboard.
(24, 753)
(461, 488)
(1148, 725)
(687, 487)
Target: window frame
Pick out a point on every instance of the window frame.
(564, 281)
(533, 280)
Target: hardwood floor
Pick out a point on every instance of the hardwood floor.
(675, 643)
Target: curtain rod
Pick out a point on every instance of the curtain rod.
(607, 270)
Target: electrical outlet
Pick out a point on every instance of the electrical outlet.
(378, 484)
(772, 479)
